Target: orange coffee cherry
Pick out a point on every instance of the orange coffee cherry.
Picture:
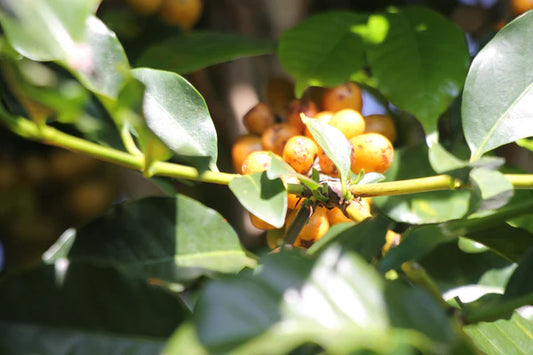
(242, 147)
(279, 92)
(259, 223)
(256, 162)
(323, 116)
(358, 209)
(518, 7)
(297, 107)
(381, 124)
(326, 164)
(259, 118)
(276, 137)
(300, 152)
(314, 229)
(292, 200)
(349, 122)
(336, 216)
(347, 95)
(182, 13)
(373, 153)
(145, 6)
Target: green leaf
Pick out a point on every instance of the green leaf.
(336, 147)
(519, 284)
(108, 66)
(427, 207)
(366, 238)
(177, 114)
(247, 304)
(184, 341)
(87, 303)
(47, 29)
(196, 50)
(420, 62)
(490, 189)
(172, 239)
(525, 143)
(265, 198)
(498, 91)
(514, 336)
(50, 340)
(325, 50)
(505, 240)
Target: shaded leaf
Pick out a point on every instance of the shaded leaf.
(496, 105)
(196, 50)
(49, 340)
(520, 282)
(366, 238)
(325, 50)
(48, 29)
(177, 114)
(265, 198)
(86, 301)
(434, 61)
(157, 237)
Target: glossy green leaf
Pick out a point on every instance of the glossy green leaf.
(325, 50)
(265, 198)
(184, 340)
(507, 241)
(106, 67)
(247, 304)
(526, 143)
(100, 307)
(196, 50)
(177, 114)
(172, 239)
(513, 336)
(496, 105)
(490, 189)
(47, 29)
(419, 62)
(426, 207)
(335, 145)
(366, 238)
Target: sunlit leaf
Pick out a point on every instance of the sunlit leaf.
(196, 50)
(498, 91)
(325, 50)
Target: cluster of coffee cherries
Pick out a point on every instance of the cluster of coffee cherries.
(286, 136)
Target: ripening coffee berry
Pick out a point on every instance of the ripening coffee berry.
(336, 216)
(300, 152)
(297, 107)
(382, 124)
(256, 162)
(276, 137)
(182, 13)
(259, 223)
(314, 229)
(258, 119)
(242, 147)
(373, 153)
(349, 122)
(347, 95)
